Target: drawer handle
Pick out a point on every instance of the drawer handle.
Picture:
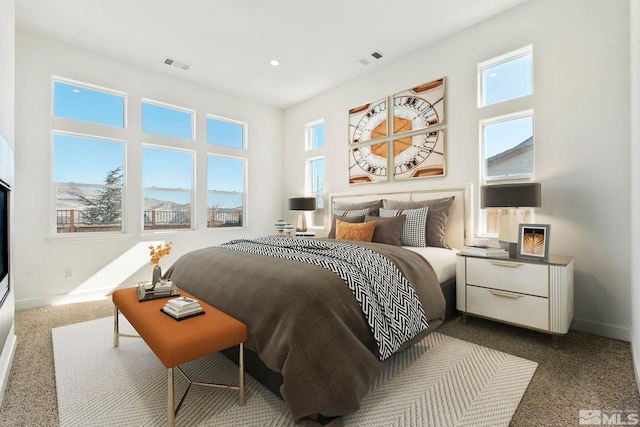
(505, 264)
(505, 294)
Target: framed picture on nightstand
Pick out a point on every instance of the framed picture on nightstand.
(533, 241)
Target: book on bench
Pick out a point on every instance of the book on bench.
(182, 308)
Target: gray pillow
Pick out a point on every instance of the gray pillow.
(436, 220)
(413, 231)
(373, 206)
(332, 232)
(388, 230)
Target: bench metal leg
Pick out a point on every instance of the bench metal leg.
(241, 374)
(171, 413)
(116, 327)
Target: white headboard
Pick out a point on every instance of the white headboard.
(457, 226)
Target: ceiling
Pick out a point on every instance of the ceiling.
(228, 43)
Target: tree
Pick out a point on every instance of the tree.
(106, 208)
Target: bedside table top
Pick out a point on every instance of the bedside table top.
(553, 259)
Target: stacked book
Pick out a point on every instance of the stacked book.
(485, 251)
(182, 308)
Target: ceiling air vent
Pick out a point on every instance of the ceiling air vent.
(376, 54)
(174, 63)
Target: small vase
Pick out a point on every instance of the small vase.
(157, 275)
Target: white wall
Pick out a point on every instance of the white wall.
(581, 102)
(98, 265)
(635, 183)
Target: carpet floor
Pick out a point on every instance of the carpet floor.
(587, 372)
(441, 381)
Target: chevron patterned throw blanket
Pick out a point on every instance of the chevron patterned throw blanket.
(388, 301)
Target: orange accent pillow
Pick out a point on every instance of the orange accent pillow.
(362, 232)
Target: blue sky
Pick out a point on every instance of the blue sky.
(503, 82)
(89, 160)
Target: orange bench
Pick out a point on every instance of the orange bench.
(176, 342)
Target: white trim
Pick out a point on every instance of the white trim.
(6, 360)
(602, 329)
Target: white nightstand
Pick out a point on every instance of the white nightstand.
(529, 293)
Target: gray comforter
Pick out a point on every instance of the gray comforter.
(304, 321)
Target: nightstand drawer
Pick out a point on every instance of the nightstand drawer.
(509, 275)
(510, 307)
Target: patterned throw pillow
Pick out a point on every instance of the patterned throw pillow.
(415, 225)
(351, 212)
(362, 232)
(372, 205)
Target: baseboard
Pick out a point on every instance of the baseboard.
(6, 360)
(602, 329)
(74, 297)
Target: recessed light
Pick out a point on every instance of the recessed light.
(274, 62)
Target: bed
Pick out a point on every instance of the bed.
(315, 342)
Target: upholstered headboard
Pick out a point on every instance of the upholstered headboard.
(456, 230)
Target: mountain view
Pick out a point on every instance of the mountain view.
(71, 198)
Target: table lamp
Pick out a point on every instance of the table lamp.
(511, 196)
(302, 204)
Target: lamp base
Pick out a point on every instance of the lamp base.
(301, 223)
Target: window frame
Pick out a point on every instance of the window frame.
(244, 194)
(89, 86)
(245, 132)
(316, 218)
(506, 178)
(528, 214)
(191, 191)
(309, 178)
(309, 135)
(56, 184)
(168, 106)
(498, 60)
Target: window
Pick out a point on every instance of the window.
(506, 77)
(167, 181)
(315, 177)
(88, 104)
(508, 148)
(315, 135)
(507, 156)
(506, 141)
(162, 119)
(225, 191)
(225, 132)
(314, 140)
(88, 175)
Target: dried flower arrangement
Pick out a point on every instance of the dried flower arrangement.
(158, 252)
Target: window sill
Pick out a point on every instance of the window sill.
(73, 237)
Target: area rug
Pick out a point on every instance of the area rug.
(441, 381)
